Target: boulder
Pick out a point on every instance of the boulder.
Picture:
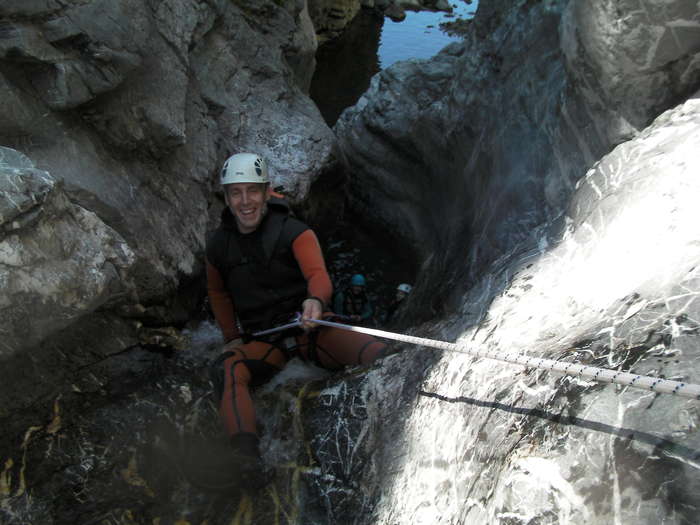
(58, 261)
(396, 12)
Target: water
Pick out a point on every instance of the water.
(419, 35)
(371, 42)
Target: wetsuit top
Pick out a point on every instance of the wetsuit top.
(262, 277)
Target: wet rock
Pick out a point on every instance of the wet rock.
(431, 437)
(568, 216)
(331, 17)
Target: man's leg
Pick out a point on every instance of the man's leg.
(247, 365)
(335, 348)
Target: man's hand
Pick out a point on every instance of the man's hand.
(311, 309)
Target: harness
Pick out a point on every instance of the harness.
(259, 269)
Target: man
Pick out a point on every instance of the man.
(353, 303)
(402, 292)
(263, 266)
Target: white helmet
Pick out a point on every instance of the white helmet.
(405, 288)
(244, 167)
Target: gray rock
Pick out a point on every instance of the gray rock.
(635, 63)
(25, 8)
(498, 142)
(127, 109)
(330, 17)
(22, 189)
(58, 261)
(550, 220)
(476, 159)
(133, 106)
(430, 437)
(397, 12)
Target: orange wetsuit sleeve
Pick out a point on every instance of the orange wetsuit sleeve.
(221, 303)
(307, 252)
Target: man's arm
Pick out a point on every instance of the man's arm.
(307, 252)
(221, 304)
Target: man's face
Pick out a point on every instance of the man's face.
(400, 295)
(248, 203)
(357, 290)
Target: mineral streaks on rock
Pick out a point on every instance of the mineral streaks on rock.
(22, 188)
(58, 261)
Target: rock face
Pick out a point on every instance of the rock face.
(127, 110)
(330, 17)
(496, 138)
(448, 438)
(496, 162)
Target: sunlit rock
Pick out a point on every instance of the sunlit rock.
(446, 438)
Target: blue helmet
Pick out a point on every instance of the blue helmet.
(358, 280)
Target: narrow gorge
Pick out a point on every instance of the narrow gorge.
(537, 181)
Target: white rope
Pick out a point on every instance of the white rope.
(603, 375)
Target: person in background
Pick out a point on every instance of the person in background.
(353, 303)
(263, 266)
(402, 292)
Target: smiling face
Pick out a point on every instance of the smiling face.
(248, 203)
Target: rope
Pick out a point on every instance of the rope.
(603, 375)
